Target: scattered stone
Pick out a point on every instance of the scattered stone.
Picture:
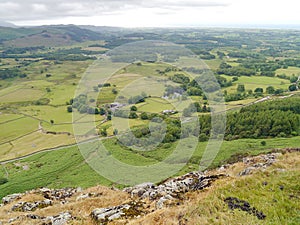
(60, 219)
(10, 198)
(130, 210)
(162, 201)
(235, 203)
(31, 206)
(258, 162)
(88, 195)
(34, 217)
(58, 194)
(247, 171)
(13, 219)
(281, 187)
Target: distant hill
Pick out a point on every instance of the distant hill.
(48, 36)
(7, 24)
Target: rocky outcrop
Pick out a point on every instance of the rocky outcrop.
(31, 206)
(58, 194)
(129, 210)
(88, 195)
(60, 219)
(10, 198)
(169, 192)
(171, 189)
(259, 162)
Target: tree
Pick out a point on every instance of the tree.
(202, 137)
(114, 91)
(235, 79)
(69, 109)
(263, 143)
(270, 90)
(103, 132)
(259, 90)
(133, 115)
(115, 132)
(102, 111)
(241, 88)
(293, 87)
(278, 91)
(144, 116)
(133, 108)
(52, 122)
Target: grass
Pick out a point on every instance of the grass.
(6, 118)
(208, 207)
(155, 105)
(214, 63)
(21, 95)
(253, 82)
(276, 204)
(66, 167)
(33, 142)
(16, 128)
(46, 113)
(146, 69)
(290, 71)
(63, 168)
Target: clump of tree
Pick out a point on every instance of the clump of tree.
(138, 98)
(9, 73)
(81, 103)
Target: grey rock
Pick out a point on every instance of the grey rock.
(110, 213)
(10, 198)
(31, 206)
(247, 171)
(60, 219)
(58, 194)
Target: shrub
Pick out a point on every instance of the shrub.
(3, 180)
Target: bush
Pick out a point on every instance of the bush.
(3, 180)
(263, 143)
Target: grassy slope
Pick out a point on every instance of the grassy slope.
(66, 167)
(208, 206)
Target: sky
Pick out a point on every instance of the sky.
(151, 13)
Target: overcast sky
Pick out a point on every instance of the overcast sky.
(151, 13)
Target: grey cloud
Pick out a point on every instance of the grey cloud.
(20, 10)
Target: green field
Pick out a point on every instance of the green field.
(290, 71)
(154, 105)
(16, 128)
(253, 82)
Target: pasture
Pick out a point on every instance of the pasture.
(290, 71)
(253, 82)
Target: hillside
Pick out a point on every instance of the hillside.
(48, 36)
(256, 190)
